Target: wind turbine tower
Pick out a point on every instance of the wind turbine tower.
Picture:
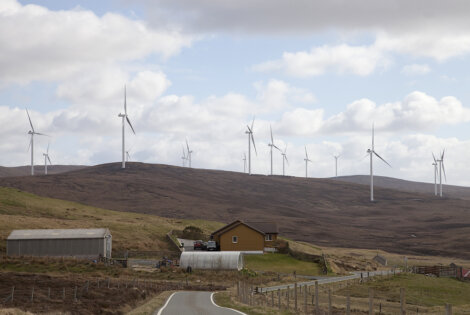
(441, 170)
(46, 158)
(435, 174)
(284, 159)
(272, 145)
(371, 153)
(336, 164)
(32, 132)
(249, 132)
(189, 154)
(124, 118)
(306, 162)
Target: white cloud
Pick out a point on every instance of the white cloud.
(342, 59)
(40, 44)
(415, 69)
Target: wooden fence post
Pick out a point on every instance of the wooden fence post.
(348, 305)
(32, 295)
(317, 301)
(402, 301)
(305, 299)
(295, 297)
(238, 288)
(371, 301)
(279, 298)
(272, 298)
(288, 297)
(12, 293)
(448, 309)
(63, 294)
(48, 293)
(75, 294)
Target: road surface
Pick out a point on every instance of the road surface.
(194, 303)
(322, 280)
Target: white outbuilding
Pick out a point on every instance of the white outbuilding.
(212, 260)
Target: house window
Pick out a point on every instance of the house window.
(268, 237)
(234, 239)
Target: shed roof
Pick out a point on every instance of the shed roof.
(57, 234)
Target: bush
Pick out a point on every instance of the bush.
(194, 233)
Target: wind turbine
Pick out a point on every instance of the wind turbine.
(46, 158)
(336, 164)
(441, 170)
(306, 162)
(435, 174)
(32, 132)
(244, 163)
(249, 132)
(284, 159)
(371, 153)
(124, 118)
(184, 158)
(128, 156)
(272, 145)
(189, 154)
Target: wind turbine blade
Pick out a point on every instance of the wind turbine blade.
(435, 161)
(50, 163)
(372, 136)
(187, 146)
(129, 122)
(41, 134)
(285, 156)
(29, 146)
(381, 158)
(125, 100)
(32, 128)
(252, 123)
(254, 145)
(272, 140)
(47, 151)
(277, 147)
(306, 154)
(444, 171)
(442, 156)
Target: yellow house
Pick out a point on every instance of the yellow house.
(246, 236)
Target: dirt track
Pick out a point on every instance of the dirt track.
(320, 211)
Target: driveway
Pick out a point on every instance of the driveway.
(188, 244)
(194, 303)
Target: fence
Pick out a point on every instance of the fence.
(325, 299)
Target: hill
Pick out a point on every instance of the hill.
(38, 170)
(133, 231)
(409, 186)
(321, 211)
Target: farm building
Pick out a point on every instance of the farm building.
(80, 243)
(246, 236)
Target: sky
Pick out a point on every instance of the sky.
(319, 73)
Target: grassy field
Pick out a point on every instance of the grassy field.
(281, 263)
(133, 231)
(420, 290)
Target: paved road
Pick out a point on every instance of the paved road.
(322, 280)
(194, 303)
(188, 244)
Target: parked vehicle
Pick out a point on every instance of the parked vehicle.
(199, 245)
(211, 245)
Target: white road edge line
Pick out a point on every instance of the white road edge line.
(212, 300)
(166, 304)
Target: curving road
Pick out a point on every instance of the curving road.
(194, 303)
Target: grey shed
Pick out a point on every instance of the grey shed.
(80, 243)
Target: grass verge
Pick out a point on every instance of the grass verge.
(152, 305)
(281, 263)
(223, 299)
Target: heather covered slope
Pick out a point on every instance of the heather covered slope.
(38, 170)
(408, 186)
(321, 211)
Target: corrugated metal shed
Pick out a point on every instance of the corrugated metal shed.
(81, 243)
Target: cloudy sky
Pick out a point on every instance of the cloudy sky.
(319, 72)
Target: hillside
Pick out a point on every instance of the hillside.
(405, 185)
(322, 211)
(38, 170)
(135, 231)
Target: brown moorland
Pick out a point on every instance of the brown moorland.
(321, 211)
(38, 170)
